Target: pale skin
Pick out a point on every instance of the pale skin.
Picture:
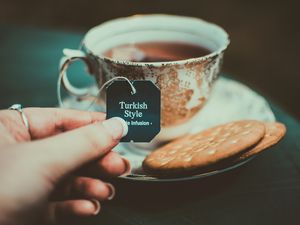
(56, 170)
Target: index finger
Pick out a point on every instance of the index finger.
(45, 122)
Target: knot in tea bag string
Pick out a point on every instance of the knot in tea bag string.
(63, 73)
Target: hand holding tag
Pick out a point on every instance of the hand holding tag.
(141, 110)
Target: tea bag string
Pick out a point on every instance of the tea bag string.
(63, 73)
(133, 89)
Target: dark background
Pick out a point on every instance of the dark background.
(263, 54)
(264, 50)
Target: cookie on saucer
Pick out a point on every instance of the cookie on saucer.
(274, 133)
(197, 152)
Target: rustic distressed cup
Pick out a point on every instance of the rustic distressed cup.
(185, 85)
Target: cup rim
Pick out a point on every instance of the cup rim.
(157, 64)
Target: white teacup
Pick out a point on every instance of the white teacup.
(185, 85)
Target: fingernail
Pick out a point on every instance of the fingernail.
(116, 126)
(128, 167)
(97, 206)
(112, 191)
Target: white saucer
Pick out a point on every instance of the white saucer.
(230, 100)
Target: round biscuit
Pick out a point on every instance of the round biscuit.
(274, 133)
(195, 152)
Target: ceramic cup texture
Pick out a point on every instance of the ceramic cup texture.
(185, 85)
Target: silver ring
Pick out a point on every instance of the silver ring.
(18, 107)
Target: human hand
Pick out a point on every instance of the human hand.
(52, 170)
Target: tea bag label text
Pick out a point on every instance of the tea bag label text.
(132, 110)
(140, 110)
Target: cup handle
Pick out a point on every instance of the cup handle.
(70, 56)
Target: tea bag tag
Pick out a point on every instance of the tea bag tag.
(141, 110)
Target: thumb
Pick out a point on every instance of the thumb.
(65, 152)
